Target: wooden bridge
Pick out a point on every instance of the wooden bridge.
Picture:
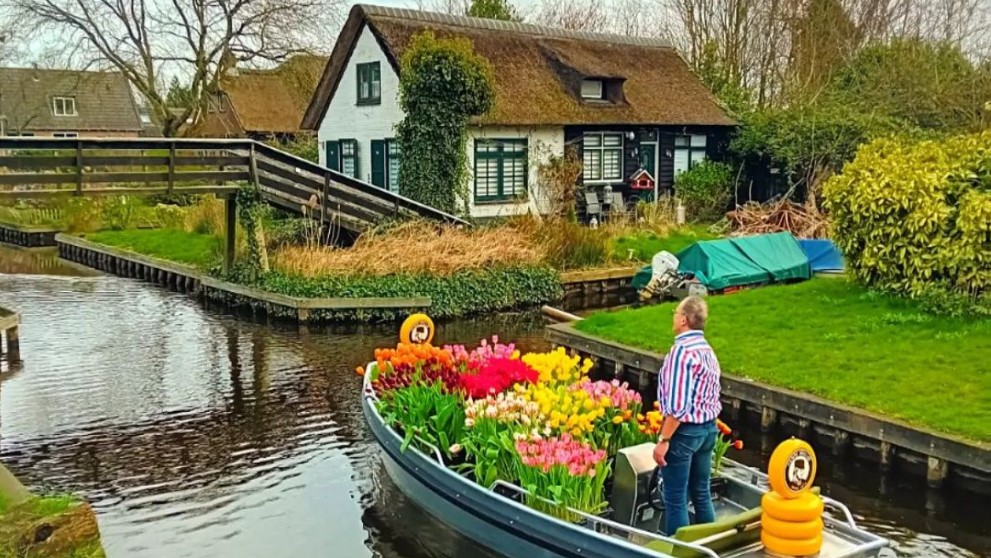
(46, 167)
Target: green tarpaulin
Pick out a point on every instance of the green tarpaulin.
(733, 262)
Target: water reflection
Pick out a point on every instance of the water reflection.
(194, 434)
(38, 261)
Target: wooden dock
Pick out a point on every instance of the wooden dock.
(10, 323)
(187, 280)
(846, 430)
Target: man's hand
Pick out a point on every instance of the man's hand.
(660, 451)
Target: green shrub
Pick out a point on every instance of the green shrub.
(911, 216)
(706, 190)
(460, 294)
(570, 245)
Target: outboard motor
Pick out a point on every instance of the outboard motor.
(631, 490)
(664, 276)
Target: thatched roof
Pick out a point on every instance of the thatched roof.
(538, 70)
(103, 100)
(274, 100)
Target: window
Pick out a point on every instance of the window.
(64, 106)
(369, 84)
(500, 169)
(592, 89)
(688, 152)
(349, 158)
(65, 135)
(602, 157)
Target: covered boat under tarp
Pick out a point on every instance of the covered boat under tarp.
(742, 261)
(823, 255)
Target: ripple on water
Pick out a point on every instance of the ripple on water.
(196, 435)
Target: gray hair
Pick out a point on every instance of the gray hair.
(695, 311)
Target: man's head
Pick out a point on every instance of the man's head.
(690, 314)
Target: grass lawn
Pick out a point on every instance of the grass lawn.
(197, 250)
(646, 244)
(834, 339)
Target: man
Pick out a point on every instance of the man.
(688, 392)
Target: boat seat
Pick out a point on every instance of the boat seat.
(691, 533)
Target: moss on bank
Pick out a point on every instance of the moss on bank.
(56, 526)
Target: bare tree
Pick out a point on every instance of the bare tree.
(199, 39)
(582, 15)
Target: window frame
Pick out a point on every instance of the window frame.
(601, 95)
(391, 143)
(365, 72)
(55, 104)
(696, 152)
(601, 149)
(501, 155)
(68, 135)
(354, 157)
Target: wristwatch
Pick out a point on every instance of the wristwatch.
(663, 440)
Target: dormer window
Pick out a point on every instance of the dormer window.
(64, 106)
(593, 89)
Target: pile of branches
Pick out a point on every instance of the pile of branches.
(802, 221)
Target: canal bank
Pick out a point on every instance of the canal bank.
(194, 434)
(846, 431)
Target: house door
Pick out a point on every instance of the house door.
(648, 161)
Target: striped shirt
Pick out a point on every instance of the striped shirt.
(688, 383)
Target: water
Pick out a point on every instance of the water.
(195, 434)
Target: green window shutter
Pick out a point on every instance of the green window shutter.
(392, 162)
(334, 155)
(378, 163)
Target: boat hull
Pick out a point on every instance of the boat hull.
(500, 524)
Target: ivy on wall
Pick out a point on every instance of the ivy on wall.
(250, 213)
(443, 84)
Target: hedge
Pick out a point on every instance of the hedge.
(461, 294)
(914, 216)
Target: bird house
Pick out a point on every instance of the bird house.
(642, 180)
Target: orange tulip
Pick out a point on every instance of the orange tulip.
(738, 444)
(360, 371)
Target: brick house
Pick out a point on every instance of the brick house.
(66, 103)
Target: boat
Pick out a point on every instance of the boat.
(499, 518)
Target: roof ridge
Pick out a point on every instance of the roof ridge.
(509, 26)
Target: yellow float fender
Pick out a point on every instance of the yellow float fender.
(792, 468)
(418, 329)
(791, 547)
(791, 530)
(807, 507)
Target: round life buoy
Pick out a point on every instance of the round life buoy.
(792, 468)
(791, 547)
(792, 530)
(808, 507)
(417, 329)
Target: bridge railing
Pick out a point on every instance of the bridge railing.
(44, 167)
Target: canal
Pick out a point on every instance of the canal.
(196, 434)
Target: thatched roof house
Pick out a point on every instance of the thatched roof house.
(263, 103)
(626, 102)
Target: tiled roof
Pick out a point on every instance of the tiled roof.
(103, 100)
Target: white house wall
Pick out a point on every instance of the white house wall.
(542, 142)
(345, 119)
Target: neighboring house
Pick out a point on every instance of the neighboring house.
(262, 104)
(66, 103)
(624, 103)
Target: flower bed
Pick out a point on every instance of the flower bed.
(536, 420)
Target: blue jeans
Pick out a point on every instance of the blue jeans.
(686, 475)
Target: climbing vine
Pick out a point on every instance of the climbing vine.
(443, 84)
(250, 211)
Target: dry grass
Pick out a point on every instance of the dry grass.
(414, 248)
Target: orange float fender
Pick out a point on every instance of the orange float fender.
(792, 530)
(808, 507)
(792, 468)
(791, 547)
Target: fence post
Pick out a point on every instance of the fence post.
(79, 167)
(231, 209)
(171, 166)
(13, 345)
(254, 165)
(323, 200)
